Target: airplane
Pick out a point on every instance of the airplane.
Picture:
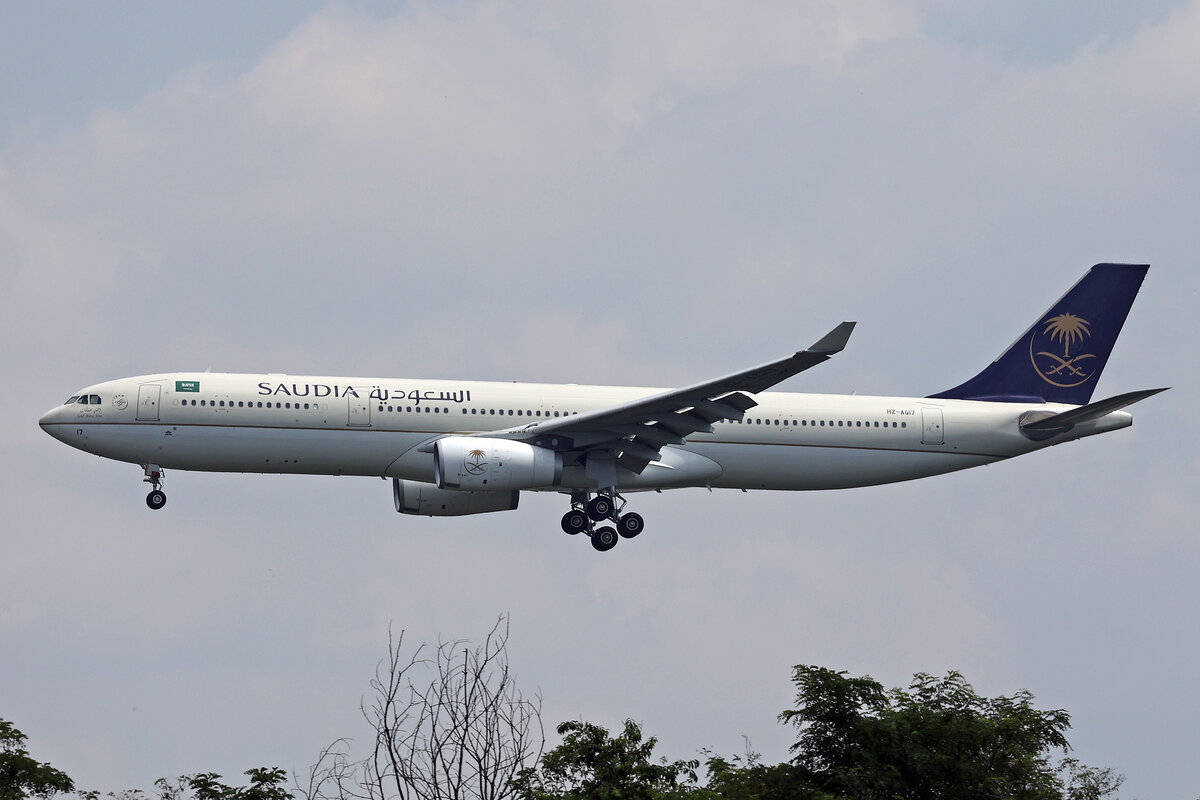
(453, 448)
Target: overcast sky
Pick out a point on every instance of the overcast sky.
(648, 194)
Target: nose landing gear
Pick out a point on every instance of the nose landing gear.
(157, 497)
(584, 513)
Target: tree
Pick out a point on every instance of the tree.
(745, 777)
(592, 765)
(937, 739)
(465, 733)
(266, 783)
(23, 776)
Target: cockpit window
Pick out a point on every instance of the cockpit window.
(94, 399)
(83, 399)
(73, 399)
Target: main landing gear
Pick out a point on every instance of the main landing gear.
(585, 512)
(157, 497)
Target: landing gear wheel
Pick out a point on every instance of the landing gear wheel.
(604, 538)
(600, 507)
(574, 521)
(630, 525)
(156, 499)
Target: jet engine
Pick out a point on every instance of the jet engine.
(414, 497)
(490, 465)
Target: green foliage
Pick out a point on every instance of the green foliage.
(23, 776)
(937, 739)
(1089, 783)
(592, 765)
(266, 783)
(744, 778)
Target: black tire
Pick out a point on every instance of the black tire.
(600, 507)
(156, 499)
(574, 521)
(630, 525)
(604, 538)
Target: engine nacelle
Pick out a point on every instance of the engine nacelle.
(413, 497)
(490, 465)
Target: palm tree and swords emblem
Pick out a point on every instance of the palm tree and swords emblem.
(1063, 370)
(475, 462)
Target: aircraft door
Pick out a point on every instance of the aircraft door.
(359, 414)
(932, 431)
(148, 397)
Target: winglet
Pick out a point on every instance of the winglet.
(835, 340)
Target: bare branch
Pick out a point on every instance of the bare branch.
(449, 726)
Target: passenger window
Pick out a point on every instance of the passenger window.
(518, 412)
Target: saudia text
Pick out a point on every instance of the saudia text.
(379, 393)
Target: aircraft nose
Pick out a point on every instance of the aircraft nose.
(47, 421)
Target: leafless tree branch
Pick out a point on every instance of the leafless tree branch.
(450, 725)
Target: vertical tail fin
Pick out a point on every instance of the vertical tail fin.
(1060, 358)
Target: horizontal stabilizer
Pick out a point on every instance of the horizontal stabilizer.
(1091, 411)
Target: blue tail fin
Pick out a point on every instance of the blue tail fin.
(1060, 358)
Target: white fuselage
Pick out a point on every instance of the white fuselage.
(376, 427)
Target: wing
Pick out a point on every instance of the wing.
(630, 435)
